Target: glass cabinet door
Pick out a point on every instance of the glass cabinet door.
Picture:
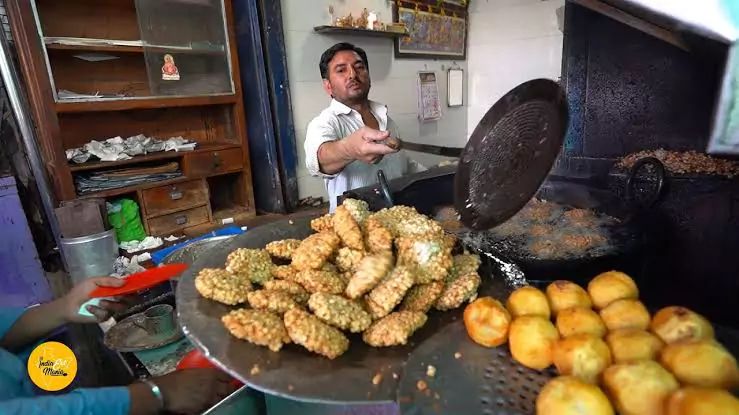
(185, 47)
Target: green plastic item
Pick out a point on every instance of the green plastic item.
(124, 216)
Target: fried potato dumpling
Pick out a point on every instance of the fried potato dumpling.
(639, 388)
(531, 339)
(702, 363)
(701, 401)
(632, 345)
(578, 320)
(581, 355)
(611, 286)
(487, 322)
(567, 395)
(528, 301)
(565, 294)
(625, 314)
(677, 323)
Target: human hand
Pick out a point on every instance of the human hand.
(80, 294)
(366, 145)
(191, 391)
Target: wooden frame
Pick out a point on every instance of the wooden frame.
(56, 121)
(445, 19)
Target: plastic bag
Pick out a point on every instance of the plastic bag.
(124, 216)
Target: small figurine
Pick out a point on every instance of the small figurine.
(347, 21)
(361, 22)
(169, 70)
(331, 12)
(372, 21)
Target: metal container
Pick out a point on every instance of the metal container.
(90, 256)
(189, 253)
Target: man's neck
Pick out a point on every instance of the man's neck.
(361, 107)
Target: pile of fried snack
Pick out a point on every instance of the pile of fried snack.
(608, 350)
(378, 274)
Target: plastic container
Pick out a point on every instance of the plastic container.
(90, 256)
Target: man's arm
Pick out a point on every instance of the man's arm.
(32, 325)
(325, 152)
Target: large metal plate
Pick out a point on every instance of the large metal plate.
(510, 153)
(469, 379)
(294, 372)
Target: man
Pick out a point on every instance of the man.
(183, 391)
(344, 144)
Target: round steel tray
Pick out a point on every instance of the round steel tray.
(294, 372)
(468, 379)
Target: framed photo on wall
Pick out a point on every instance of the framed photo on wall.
(437, 30)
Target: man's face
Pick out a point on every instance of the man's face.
(348, 77)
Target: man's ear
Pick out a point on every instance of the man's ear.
(327, 88)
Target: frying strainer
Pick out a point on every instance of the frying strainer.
(510, 153)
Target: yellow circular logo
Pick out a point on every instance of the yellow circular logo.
(52, 366)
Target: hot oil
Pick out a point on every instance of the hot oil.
(542, 231)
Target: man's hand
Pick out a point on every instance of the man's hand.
(365, 145)
(70, 304)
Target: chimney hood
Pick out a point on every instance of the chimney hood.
(687, 24)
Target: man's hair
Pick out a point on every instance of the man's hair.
(333, 50)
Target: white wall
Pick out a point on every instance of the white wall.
(393, 81)
(510, 42)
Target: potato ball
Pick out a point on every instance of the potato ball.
(611, 286)
(639, 388)
(582, 355)
(625, 314)
(487, 322)
(578, 320)
(565, 294)
(528, 301)
(632, 345)
(677, 323)
(703, 363)
(531, 339)
(700, 401)
(567, 395)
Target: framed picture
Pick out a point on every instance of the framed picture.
(435, 32)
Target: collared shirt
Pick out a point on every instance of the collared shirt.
(338, 121)
(18, 396)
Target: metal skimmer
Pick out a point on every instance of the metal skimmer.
(510, 153)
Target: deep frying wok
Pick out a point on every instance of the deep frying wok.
(627, 240)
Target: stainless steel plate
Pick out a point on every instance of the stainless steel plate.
(294, 372)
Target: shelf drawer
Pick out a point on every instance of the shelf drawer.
(167, 199)
(168, 224)
(221, 161)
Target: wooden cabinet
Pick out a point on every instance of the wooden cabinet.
(96, 70)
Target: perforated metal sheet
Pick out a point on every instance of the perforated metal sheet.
(510, 153)
(469, 379)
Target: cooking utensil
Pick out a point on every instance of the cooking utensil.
(157, 320)
(140, 281)
(470, 379)
(510, 153)
(399, 144)
(127, 337)
(295, 372)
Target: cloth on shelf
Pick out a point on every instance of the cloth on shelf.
(117, 148)
(150, 242)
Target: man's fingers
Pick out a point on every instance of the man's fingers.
(109, 282)
(113, 306)
(99, 313)
(371, 135)
(378, 149)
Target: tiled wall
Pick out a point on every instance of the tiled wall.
(510, 41)
(393, 81)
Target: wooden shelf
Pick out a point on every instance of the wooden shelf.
(123, 104)
(133, 49)
(336, 30)
(162, 155)
(131, 189)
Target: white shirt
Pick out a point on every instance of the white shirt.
(338, 121)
